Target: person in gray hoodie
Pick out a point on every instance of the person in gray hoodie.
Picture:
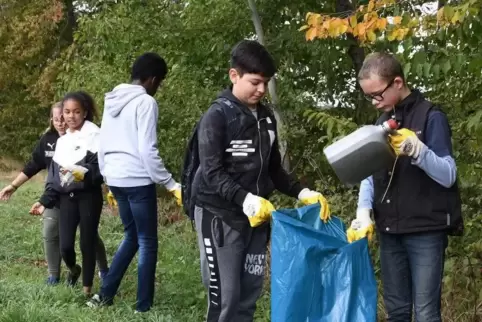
(130, 163)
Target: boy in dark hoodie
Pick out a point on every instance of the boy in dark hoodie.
(232, 211)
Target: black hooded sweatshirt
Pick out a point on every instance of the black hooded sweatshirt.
(250, 162)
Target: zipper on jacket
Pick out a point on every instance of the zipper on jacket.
(260, 156)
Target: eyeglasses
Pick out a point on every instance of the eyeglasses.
(378, 97)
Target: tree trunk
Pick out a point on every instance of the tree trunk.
(68, 33)
(357, 55)
(283, 146)
(355, 52)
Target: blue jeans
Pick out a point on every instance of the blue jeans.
(412, 270)
(138, 212)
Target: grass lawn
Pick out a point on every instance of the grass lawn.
(25, 297)
(179, 296)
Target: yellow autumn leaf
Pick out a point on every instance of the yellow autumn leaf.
(331, 31)
(371, 36)
(397, 20)
(402, 33)
(371, 24)
(456, 17)
(314, 19)
(310, 34)
(382, 24)
(380, 4)
(361, 29)
(322, 34)
(326, 24)
(391, 36)
(343, 29)
(440, 14)
(335, 28)
(371, 5)
(336, 22)
(355, 30)
(370, 16)
(308, 14)
(353, 21)
(362, 37)
(303, 27)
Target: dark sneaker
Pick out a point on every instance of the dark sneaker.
(52, 280)
(74, 275)
(97, 301)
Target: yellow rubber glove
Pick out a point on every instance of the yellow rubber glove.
(361, 227)
(309, 197)
(111, 200)
(257, 209)
(78, 172)
(176, 191)
(78, 175)
(405, 142)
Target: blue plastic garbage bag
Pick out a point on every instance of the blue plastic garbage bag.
(316, 275)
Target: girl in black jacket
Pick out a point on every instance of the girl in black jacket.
(40, 160)
(74, 180)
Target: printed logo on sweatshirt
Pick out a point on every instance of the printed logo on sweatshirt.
(51, 145)
(49, 154)
(254, 264)
(241, 148)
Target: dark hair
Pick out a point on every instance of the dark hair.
(51, 127)
(85, 100)
(149, 65)
(249, 56)
(382, 64)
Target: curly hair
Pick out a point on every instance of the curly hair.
(86, 102)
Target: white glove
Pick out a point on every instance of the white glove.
(257, 209)
(363, 219)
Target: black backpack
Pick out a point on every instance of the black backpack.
(191, 172)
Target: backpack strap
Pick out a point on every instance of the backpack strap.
(231, 115)
(229, 109)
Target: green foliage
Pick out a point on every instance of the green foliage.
(24, 296)
(446, 64)
(318, 94)
(31, 34)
